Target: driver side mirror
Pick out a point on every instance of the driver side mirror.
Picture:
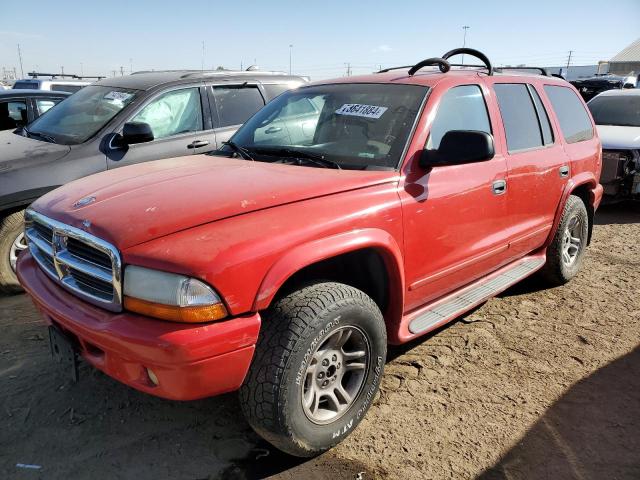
(628, 85)
(458, 147)
(136, 132)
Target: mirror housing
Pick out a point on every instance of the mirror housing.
(136, 132)
(458, 147)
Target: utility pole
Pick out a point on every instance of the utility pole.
(114, 72)
(202, 66)
(122, 71)
(348, 65)
(464, 39)
(569, 62)
(62, 70)
(20, 58)
(290, 55)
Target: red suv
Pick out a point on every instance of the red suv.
(344, 215)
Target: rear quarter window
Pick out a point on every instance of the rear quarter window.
(571, 112)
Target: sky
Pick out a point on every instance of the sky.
(98, 38)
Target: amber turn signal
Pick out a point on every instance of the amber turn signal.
(191, 314)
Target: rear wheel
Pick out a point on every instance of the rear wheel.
(566, 252)
(12, 242)
(317, 367)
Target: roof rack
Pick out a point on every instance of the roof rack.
(444, 65)
(63, 75)
(542, 71)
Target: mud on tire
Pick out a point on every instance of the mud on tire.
(286, 396)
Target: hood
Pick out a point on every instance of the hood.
(17, 151)
(132, 205)
(619, 138)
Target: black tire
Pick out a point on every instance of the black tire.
(557, 271)
(292, 330)
(11, 227)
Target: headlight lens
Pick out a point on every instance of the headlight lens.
(170, 296)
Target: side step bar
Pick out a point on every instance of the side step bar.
(468, 297)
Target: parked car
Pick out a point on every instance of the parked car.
(121, 121)
(283, 268)
(19, 107)
(617, 115)
(590, 87)
(58, 82)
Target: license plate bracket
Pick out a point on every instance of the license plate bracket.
(63, 351)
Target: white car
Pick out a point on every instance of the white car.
(617, 115)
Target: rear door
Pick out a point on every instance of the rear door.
(178, 122)
(538, 167)
(232, 106)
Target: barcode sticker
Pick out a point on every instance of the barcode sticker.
(359, 110)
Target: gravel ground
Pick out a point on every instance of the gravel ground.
(535, 384)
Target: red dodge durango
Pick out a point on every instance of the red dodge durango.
(343, 216)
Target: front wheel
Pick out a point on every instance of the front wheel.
(566, 252)
(317, 367)
(12, 242)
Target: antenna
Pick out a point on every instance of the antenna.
(20, 57)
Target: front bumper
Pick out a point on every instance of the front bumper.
(189, 361)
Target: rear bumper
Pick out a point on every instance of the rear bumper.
(189, 361)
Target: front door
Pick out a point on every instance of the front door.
(453, 215)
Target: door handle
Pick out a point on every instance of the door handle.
(564, 171)
(198, 144)
(499, 187)
(273, 130)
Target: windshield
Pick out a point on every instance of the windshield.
(81, 115)
(621, 110)
(353, 126)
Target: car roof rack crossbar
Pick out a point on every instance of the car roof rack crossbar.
(63, 75)
(441, 63)
(542, 71)
(474, 53)
(403, 67)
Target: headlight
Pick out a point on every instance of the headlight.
(170, 296)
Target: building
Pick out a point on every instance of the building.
(627, 62)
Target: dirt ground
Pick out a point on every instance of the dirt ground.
(535, 384)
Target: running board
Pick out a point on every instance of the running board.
(464, 300)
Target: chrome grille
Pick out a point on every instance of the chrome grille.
(80, 262)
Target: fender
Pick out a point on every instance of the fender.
(322, 249)
(595, 195)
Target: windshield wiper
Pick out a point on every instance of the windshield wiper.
(243, 152)
(43, 136)
(316, 158)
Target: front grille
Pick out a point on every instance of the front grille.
(80, 262)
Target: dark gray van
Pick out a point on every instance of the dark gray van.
(120, 121)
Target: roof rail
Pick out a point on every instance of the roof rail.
(539, 69)
(63, 75)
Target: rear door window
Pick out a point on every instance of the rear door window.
(235, 105)
(572, 115)
(519, 116)
(461, 108)
(543, 117)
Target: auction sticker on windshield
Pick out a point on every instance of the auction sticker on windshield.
(359, 110)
